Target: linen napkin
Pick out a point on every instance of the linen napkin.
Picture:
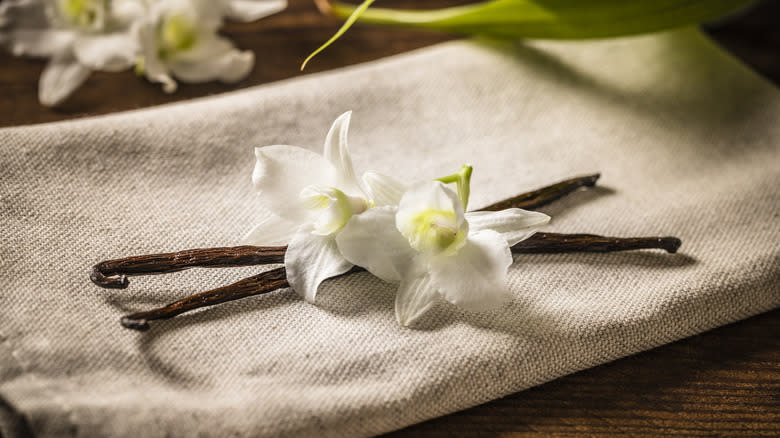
(686, 139)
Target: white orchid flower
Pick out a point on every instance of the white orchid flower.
(179, 39)
(313, 197)
(78, 36)
(432, 248)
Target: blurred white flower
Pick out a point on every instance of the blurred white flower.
(78, 36)
(179, 39)
(432, 248)
(313, 197)
(162, 38)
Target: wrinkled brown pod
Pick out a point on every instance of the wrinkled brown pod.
(113, 273)
(558, 243)
(274, 279)
(256, 285)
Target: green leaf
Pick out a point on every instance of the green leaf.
(549, 19)
(351, 17)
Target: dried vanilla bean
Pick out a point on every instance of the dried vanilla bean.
(256, 285)
(113, 273)
(275, 279)
(559, 243)
(545, 195)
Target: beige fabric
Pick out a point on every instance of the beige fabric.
(686, 139)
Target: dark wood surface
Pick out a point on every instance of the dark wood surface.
(725, 382)
(722, 383)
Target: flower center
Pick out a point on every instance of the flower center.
(176, 33)
(435, 232)
(84, 14)
(335, 207)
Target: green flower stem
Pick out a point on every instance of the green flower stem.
(462, 180)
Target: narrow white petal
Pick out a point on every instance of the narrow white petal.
(235, 66)
(310, 260)
(370, 240)
(154, 69)
(113, 52)
(383, 189)
(163, 78)
(61, 77)
(251, 10)
(271, 231)
(282, 172)
(336, 152)
(415, 296)
(513, 224)
(475, 277)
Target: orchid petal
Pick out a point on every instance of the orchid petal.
(383, 189)
(271, 231)
(113, 52)
(312, 259)
(161, 77)
(153, 68)
(61, 77)
(249, 10)
(336, 152)
(213, 60)
(474, 278)
(206, 48)
(370, 240)
(282, 172)
(513, 224)
(415, 296)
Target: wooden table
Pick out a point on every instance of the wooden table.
(724, 382)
